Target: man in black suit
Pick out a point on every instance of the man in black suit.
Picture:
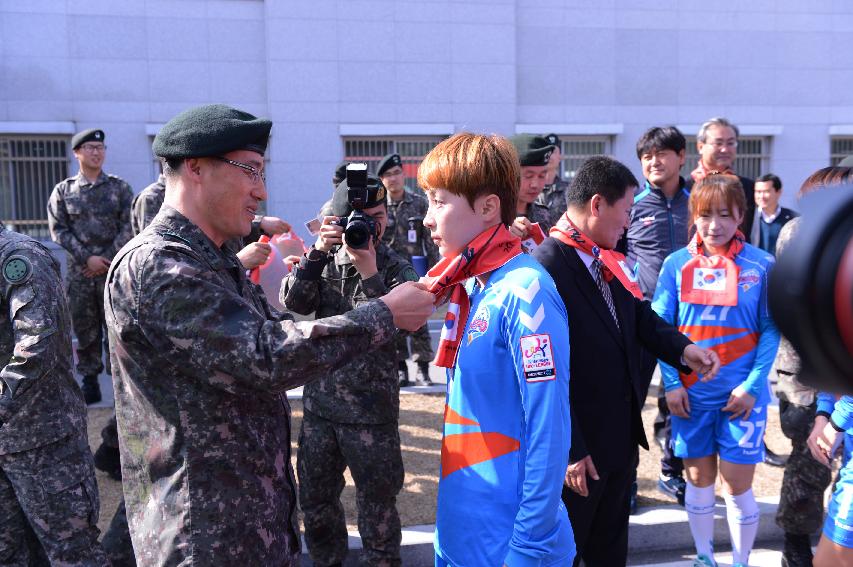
(609, 324)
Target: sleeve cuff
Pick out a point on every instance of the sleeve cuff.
(311, 265)
(374, 287)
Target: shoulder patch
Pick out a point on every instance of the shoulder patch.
(17, 269)
(537, 358)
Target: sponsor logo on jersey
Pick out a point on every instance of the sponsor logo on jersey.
(479, 325)
(537, 358)
(647, 220)
(749, 278)
(710, 279)
(633, 275)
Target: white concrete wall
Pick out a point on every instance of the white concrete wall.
(489, 66)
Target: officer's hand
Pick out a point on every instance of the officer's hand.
(95, 266)
(576, 474)
(254, 255)
(678, 402)
(820, 423)
(411, 304)
(330, 235)
(740, 403)
(702, 360)
(363, 259)
(274, 225)
(291, 261)
(520, 227)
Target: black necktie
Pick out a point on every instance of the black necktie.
(604, 289)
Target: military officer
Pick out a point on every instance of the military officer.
(48, 493)
(203, 362)
(533, 221)
(553, 196)
(351, 415)
(89, 216)
(408, 237)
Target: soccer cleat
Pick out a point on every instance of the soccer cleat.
(704, 561)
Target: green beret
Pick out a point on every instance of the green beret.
(846, 162)
(340, 200)
(532, 150)
(389, 161)
(340, 172)
(91, 135)
(211, 130)
(554, 140)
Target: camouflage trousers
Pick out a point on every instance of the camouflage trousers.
(86, 302)
(421, 345)
(372, 453)
(49, 495)
(805, 480)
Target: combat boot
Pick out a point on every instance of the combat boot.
(423, 374)
(403, 374)
(91, 390)
(107, 459)
(797, 551)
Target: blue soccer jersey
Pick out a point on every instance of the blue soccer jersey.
(838, 526)
(744, 336)
(506, 427)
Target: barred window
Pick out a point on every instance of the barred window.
(30, 167)
(577, 149)
(840, 148)
(412, 150)
(753, 156)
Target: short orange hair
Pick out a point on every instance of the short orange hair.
(472, 165)
(715, 190)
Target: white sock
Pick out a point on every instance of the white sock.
(742, 514)
(699, 503)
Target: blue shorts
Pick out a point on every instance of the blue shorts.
(838, 526)
(710, 432)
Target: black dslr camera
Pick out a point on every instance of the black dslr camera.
(359, 227)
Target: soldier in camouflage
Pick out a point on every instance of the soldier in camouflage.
(205, 454)
(48, 494)
(408, 237)
(351, 415)
(147, 204)
(804, 482)
(553, 196)
(534, 153)
(89, 216)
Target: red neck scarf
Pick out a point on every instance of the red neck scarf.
(711, 280)
(490, 250)
(701, 172)
(614, 264)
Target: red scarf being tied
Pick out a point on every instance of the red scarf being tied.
(614, 263)
(701, 172)
(490, 250)
(711, 280)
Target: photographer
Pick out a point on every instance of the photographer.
(351, 415)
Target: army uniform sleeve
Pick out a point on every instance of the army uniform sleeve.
(59, 223)
(210, 332)
(32, 294)
(145, 208)
(302, 288)
(125, 228)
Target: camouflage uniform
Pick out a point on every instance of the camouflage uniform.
(48, 490)
(805, 480)
(202, 364)
(89, 219)
(553, 197)
(397, 236)
(350, 416)
(146, 205)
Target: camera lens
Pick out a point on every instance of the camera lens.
(357, 234)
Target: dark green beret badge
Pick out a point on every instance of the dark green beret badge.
(17, 270)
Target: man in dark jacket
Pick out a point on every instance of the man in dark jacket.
(770, 216)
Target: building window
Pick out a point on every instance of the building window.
(412, 150)
(577, 149)
(753, 156)
(840, 148)
(30, 167)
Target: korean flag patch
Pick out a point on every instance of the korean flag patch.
(537, 358)
(709, 279)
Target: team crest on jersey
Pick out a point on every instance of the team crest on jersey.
(633, 275)
(479, 325)
(537, 358)
(748, 279)
(709, 279)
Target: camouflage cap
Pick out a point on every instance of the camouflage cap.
(90, 135)
(211, 130)
(341, 203)
(389, 161)
(532, 150)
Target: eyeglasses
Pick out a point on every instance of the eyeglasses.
(728, 144)
(92, 148)
(254, 173)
